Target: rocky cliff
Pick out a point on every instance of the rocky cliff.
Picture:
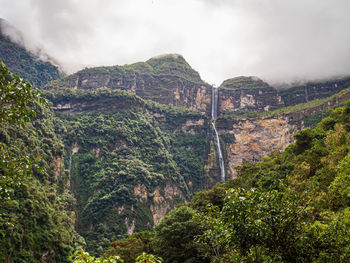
(167, 79)
(242, 94)
(139, 153)
(131, 160)
(251, 138)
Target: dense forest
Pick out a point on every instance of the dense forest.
(117, 164)
(292, 206)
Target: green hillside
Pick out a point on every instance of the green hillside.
(293, 206)
(25, 64)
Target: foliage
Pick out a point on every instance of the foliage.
(148, 258)
(36, 218)
(129, 249)
(253, 222)
(317, 105)
(80, 256)
(122, 149)
(174, 237)
(295, 206)
(245, 83)
(17, 99)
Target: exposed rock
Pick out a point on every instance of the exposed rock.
(130, 228)
(162, 203)
(256, 138)
(140, 192)
(58, 164)
(191, 125)
(248, 94)
(166, 79)
(75, 148)
(313, 90)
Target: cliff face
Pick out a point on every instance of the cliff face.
(166, 79)
(139, 154)
(252, 138)
(250, 94)
(247, 94)
(132, 160)
(255, 138)
(313, 90)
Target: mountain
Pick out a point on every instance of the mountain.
(133, 141)
(129, 160)
(166, 79)
(139, 137)
(23, 62)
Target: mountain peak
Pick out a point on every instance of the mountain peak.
(174, 64)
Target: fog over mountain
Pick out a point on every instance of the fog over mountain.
(275, 40)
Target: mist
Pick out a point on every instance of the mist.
(278, 41)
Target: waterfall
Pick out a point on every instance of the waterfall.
(214, 114)
(214, 103)
(70, 171)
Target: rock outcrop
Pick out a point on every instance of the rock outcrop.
(252, 138)
(167, 79)
(244, 94)
(255, 138)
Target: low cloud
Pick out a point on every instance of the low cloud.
(279, 41)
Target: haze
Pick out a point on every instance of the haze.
(278, 41)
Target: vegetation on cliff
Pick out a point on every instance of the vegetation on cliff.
(293, 206)
(244, 83)
(129, 158)
(128, 161)
(166, 79)
(37, 221)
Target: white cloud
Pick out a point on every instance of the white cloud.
(273, 39)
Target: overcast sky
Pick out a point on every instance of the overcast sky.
(276, 40)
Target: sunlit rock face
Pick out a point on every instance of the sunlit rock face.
(251, 138)
(247, 94)
(255, 138)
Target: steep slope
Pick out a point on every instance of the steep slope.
(241, 95)
(131, 160)
(250, 137)
(36, 214)
(24, 63)
(296, 202)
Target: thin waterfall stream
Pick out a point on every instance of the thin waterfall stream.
(70, 171)
(214, 115)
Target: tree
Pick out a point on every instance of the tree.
(17, 102)
(148, 258)
(132, 247)
(80, 256)
(174, 237)
(256, 225)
